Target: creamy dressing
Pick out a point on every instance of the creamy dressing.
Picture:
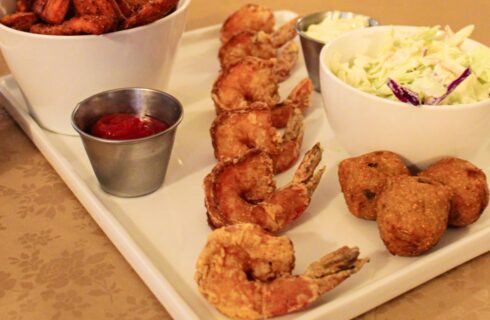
(333, 25)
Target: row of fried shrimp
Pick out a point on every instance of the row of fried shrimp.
(244, 270)
(245, 135)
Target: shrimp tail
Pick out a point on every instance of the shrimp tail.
(285, 33)
(333, 268)
(305, 174)
(294, 127)
(307, 167)
(298, 98)
(286, 60)
(300, 95)
(288, 151)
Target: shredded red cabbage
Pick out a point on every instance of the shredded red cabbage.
(450, 88)
(403, 94)
(408, 96)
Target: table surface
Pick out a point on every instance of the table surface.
(55, 262)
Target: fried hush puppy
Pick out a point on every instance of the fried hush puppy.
(412, 214)
(362, 178)
(468, 184)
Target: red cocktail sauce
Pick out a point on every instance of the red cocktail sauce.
(122, 126)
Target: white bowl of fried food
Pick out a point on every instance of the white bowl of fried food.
(62, 51)
(422, 92)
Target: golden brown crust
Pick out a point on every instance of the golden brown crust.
(245, 44)
(250, 17)
(468, 184)
(150, 12)
(51, 11)
(250, 80)
(412, 214)
(362, 178)
(77, 25)
(242, 190)
(86, 16)
(23, 5)
(21, 20)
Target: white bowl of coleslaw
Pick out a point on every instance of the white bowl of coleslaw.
(374, 103)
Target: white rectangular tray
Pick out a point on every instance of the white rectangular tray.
(162, 234)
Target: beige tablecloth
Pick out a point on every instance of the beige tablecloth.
(55, 262)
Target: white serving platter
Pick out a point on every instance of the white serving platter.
(162, 234)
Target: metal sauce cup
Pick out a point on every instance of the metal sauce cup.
(312, 47)
(129, 168)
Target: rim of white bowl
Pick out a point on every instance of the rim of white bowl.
(326, 69)
(183, 4)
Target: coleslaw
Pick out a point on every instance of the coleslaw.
(429, 66)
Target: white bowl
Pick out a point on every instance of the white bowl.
(57, 72)
(363, 122)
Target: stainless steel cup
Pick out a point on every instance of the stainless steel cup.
(312, 47)
(129, 168)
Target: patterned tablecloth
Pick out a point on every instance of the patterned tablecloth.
(56, 263)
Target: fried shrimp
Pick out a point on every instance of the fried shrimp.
(250, 17)
(262, 45)
(243, 190)
(246, 273)
(254, 79)
(234, 133)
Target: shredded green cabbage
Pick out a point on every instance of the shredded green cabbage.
(425, 62)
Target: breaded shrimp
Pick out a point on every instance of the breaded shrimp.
(243, 190)
(262, 45)
(246, 273)
(254, 79)
(250, 80)
(234, 133)
(250, 17)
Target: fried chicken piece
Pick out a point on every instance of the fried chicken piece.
(362, 178)
(23, 6)
(93, 17)
(469, 186)
(151, 11)
(51, 11)
(412, 214)
(78, 25)
(107, 8)
(20, 20)
(130, 7)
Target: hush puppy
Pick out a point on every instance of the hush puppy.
(468, 185)
(362, 178)
(412, 214)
